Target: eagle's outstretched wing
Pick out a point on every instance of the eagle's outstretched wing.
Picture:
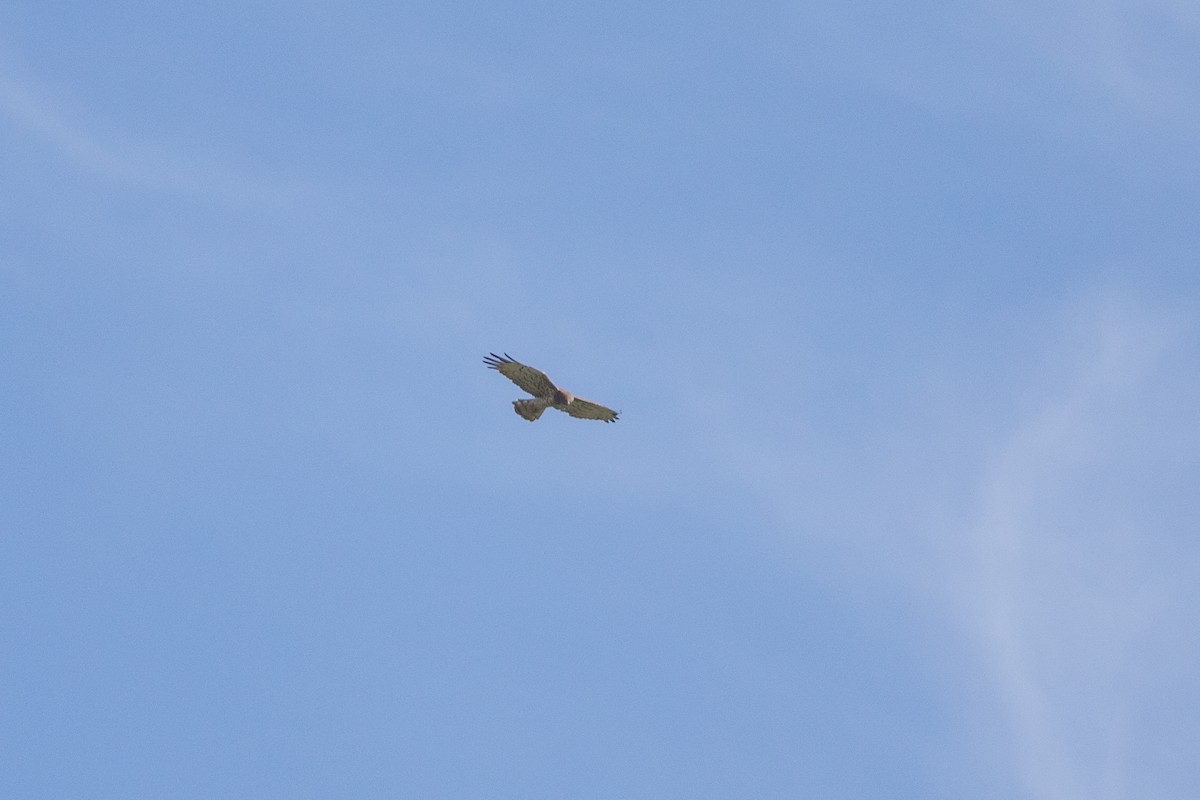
(586, 409)
(545, 393)
(531, 380)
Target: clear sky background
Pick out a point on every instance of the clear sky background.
(900, 304)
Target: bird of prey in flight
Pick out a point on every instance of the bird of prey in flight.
(545, 393)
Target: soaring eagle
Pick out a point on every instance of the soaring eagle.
(545, 393)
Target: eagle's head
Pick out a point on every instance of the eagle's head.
(562, 398)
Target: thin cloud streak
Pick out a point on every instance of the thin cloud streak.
(1084, 70)
(1062, 598)
(1104, 46)
(143, 164)
(1057, 591)
(1005, 541)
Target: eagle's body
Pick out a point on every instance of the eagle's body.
(545, 393)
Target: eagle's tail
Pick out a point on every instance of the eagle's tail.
(530, 409)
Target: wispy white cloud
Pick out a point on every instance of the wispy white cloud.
(1054, 537)
(1068, 584)
(1088, 70)
(93, 147)
(1137, 53)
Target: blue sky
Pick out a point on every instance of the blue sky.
(901, 307)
